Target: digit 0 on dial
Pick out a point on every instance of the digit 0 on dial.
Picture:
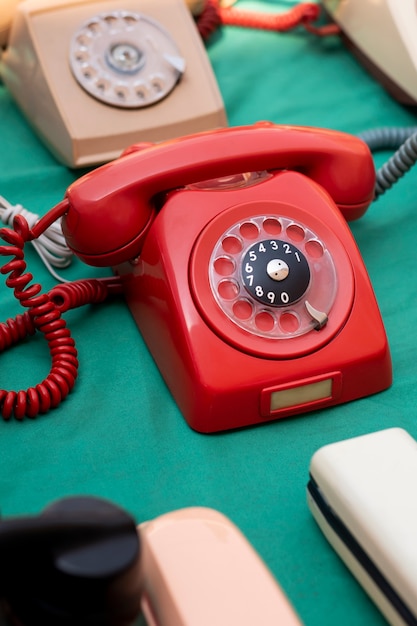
(273, 277)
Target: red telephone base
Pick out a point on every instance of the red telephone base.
(229, 358)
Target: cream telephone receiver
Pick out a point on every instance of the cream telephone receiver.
(93, 77)
(84, 561)
(362, 494)
(235, 258)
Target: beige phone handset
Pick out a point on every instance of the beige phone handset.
(94, 76)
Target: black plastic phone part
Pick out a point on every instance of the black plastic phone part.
(78, 562)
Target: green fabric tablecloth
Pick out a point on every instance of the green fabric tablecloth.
(119, 434)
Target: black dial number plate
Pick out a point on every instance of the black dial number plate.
(275, 272)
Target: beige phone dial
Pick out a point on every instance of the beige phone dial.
(95, 76)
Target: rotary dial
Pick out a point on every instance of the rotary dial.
(273, 277)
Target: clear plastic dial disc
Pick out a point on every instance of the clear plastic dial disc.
(273, 277)
(125, 59)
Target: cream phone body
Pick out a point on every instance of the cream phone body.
(94, 77)
(393, 65)
(362, 493)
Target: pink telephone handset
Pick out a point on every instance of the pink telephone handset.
(200, 570)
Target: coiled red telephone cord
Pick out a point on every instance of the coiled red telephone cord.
(44, 314)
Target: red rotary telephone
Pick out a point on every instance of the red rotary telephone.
(239, 268)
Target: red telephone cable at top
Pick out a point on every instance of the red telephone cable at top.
(302, 14)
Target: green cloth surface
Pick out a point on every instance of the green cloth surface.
(119, 434)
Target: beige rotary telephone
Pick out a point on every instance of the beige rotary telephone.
(93, 77)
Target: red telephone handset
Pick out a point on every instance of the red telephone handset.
(115, 201)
